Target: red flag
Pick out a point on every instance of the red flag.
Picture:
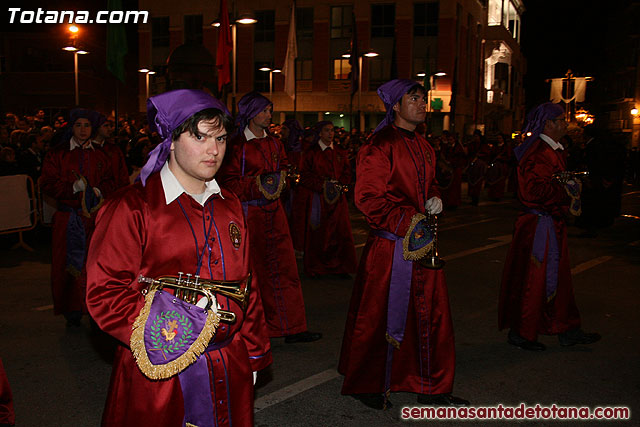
(225, 46)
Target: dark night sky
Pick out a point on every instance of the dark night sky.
(559, 35)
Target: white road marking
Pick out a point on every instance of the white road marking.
(501, 241)
(43, 308)
(294, 389)
(590, 264)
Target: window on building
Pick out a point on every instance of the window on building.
(383, 18)
(425, 19)
(265, 28)
(261, 78)
(504, 12)
(379, 71)
(341, 22)
(304, 69)
(341, 69)
(304, 22)
(160, 31)
(193, 29)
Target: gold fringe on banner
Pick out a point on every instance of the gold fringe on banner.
(160, 372)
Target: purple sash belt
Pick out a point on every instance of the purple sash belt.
(546, 234)
(76, 240)
(316, 210)
(196, 390)
(255, 202)
(398, 302)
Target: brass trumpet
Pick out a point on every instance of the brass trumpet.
(432, 260)
(187, 289)
(565, 176)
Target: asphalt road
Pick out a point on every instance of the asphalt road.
(59, 376)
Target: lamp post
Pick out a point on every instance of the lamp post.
(369, 54)
(244, 19)
(147, 73)
(72, 47)
(432, 86)
(271, 71)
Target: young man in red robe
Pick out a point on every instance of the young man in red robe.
(77, 175)
(399, 334)
(536, 296)
(175, 220)
(326, 172)
(255, 170)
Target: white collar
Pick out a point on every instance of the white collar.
(551, 142)
(323, 146)
(173, 189)
(249, 135)
(74, 143)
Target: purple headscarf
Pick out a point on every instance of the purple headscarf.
(536, 119)
(250, 106)
(390, 93)
(318, 128)
(97, 119)
(74, 115)
(295, 134)
(166, 112)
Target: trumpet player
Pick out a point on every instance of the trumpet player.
(399, 334)
(536, 295)
(177, 219)
(329, 247)
(256, 171)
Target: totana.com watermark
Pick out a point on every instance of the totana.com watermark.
(42, 16)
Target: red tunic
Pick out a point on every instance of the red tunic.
(523, 302)
(329, 245)
(118, 165)
(477, 169)
(457, 159)
(496, 176)
(58, 175)
(7, 413)
(299, 201)
(138, 233)
(395, 177)
(271, 249)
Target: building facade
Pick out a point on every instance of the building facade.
(474, 43)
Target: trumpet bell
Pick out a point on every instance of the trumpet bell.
(432, 262)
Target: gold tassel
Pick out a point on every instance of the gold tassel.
(392, 341)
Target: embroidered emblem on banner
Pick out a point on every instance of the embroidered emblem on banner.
(271, 184)
(419, 238)
(235, 235)
(332, 191)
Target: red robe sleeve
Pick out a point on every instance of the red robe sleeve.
(538, 189)
(113, 295)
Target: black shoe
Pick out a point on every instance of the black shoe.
(305, 336)
(445, 399)
(525, 344)
(373, 400)
(577, 336)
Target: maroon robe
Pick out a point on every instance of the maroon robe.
(58, 175)
(476, 171)
(496, 176)
(7, 413)
(457, 160)
(523, 303)
(274, 262)
(329, 247)
(138, 233)
(395, 178)
(118, 164)
(299, 200)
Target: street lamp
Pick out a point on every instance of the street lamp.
(271, 71)
(244, 19)
(432, 85)
(72, 47)
(147, 73)
(369, 54)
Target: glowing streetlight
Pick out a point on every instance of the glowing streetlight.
(73, 47)
(271, 71)
(244, 19)
(369, 54)
(147, 72)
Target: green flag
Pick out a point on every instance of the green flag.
(116, 44)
